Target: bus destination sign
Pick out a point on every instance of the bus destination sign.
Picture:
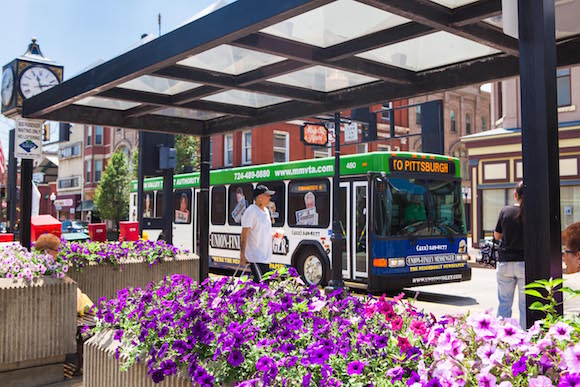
(398, 164)
(314, 134)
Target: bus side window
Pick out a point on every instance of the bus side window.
(277, 202)
(182, 206)
(218, 205)
(309, 203)
(240, 198)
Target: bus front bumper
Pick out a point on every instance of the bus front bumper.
(381, 283)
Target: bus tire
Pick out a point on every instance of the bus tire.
(312, 267)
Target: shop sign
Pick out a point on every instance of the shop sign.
(314, 134)
(64, 202)
(351, 132)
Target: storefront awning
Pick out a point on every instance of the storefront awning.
(255, 62)
(87, 205)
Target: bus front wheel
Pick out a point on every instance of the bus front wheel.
(313, 268)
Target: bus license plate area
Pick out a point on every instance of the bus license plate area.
(414, 260)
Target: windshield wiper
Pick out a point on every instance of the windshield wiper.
(446, 229)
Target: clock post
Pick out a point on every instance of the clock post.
(23, 78)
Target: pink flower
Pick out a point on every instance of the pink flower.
(572, 357)
(490, 354)
(511, 334)
(486, 380)
(540, 381)
(397, 323)
(560, 331)
(418, 327)
(484, 325)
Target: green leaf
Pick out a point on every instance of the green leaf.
(556, 282)
(535, 293)
(535, 285)
(538, 306)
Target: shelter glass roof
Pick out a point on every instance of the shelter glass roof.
(230, 60)
(429, 51)
(158, 85)
(322, 79)
(335, 23)
(453, 3)
(245, 98)
(106, 103)
(187, 113)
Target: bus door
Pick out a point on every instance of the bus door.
(183, 224)
(345, 219)
(359, 216)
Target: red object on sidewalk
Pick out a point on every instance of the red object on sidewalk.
(44, 224)
(98, 232)
(6, 237)
(129, 231)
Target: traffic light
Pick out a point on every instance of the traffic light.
(63, 132)
(369, 120)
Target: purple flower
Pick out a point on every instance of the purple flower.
(560, 331)
(520, 366)
(265, 364)
(570, 380)
(434, 383)
(118, 335)
(235, 358)
(355, 367)
(396, 373)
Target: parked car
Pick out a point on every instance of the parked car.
(72, 226)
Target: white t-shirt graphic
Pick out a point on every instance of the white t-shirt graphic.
(259, 242)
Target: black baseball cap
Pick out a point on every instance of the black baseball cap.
(262, 189)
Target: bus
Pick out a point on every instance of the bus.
(401, 217)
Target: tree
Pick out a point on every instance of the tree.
(135, 164)
(112, 194)
(187, 148)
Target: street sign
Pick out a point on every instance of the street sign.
(314, 134)
(351, 132)
(330, 126)
(28, 139)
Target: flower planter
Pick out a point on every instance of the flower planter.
(101, 367)
(98, 281)
(38, 327)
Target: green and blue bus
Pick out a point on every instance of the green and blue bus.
(401, 216)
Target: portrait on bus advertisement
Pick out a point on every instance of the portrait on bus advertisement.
(182, 206)
(240, 197)
(309, 203)
(147, 205)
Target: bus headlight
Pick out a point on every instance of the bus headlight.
(462, 257)
(396, 262)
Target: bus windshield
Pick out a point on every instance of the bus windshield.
(418, 207)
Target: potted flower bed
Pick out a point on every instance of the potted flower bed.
(102, 269)
(37, 317)
(227, 331)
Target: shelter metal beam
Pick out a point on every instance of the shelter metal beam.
(475, 12)
(243, 18)
(440, 18)
(91, 116)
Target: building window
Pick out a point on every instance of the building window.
(397, 148)
(362, 148)
(247, 147)
(98, 135)
(320, 152)
(281, 147)
(89, 134)
(70, 151)
(563, 83)
(88, 168)
(72, 182)
(383, 148)
(98, 170)
(467, 124)
(229, 149)
(418, 115)
(452, 117)
(483, 124)
(386, 113)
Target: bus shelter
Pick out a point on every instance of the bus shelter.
(256, 62)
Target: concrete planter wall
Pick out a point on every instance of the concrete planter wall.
(98, 281)
(37, 329)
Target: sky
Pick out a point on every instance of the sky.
(78, 33)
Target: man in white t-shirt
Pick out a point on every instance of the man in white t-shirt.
(256, 237)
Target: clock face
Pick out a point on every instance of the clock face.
(7, 86)
(35, 80)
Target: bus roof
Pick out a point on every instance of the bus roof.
(357, 164)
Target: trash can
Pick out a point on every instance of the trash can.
(44, 224)
(129, 231)
(7, 237)
(98, 232)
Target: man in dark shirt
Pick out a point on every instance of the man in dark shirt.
(511, 266)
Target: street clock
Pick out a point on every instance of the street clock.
(25, 77)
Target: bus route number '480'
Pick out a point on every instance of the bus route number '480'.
(351, 165)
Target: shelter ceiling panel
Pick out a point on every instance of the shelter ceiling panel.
(245, 98)
(429, 51)
(190, 114)
(322, 78)
(230, 60)
(453, 3)
(106, 103)
(160, 85)
(335, 23)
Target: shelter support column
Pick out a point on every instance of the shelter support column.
(336, 238)
(25, 202)
(537, 46)
(203, 208)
